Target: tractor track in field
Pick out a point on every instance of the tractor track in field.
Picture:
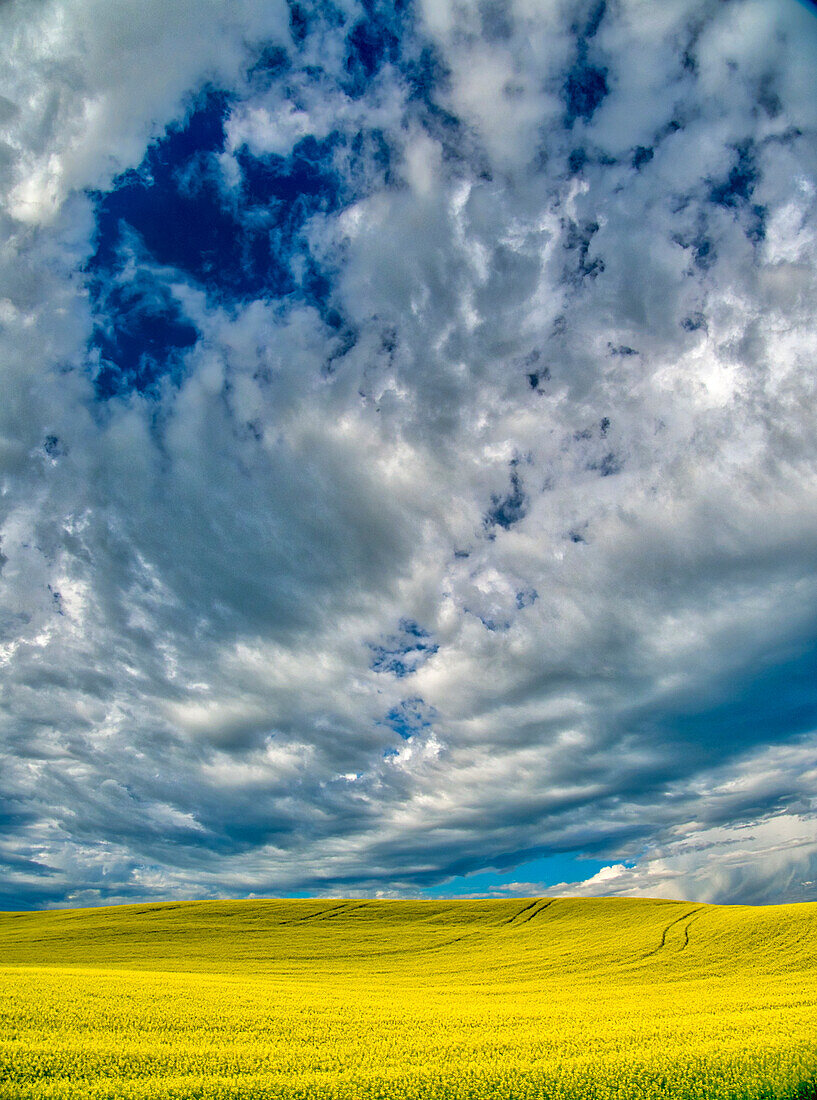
(531, 910)
(516, 916)
(322, 914)
(538, 912)
(672, 923)
(691, 920)
(340, 911)
(448, 943)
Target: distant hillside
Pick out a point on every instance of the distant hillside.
(390, 999)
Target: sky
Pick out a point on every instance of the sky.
(408, 450)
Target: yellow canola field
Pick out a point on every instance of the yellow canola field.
(380, 1000)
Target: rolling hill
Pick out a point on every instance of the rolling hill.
(337, 999)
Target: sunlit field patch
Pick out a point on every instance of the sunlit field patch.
(469, 1000)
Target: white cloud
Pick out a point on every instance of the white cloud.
(750, 864)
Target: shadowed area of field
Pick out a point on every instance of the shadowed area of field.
(341, 998)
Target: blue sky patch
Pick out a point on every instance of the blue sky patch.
(509, 508)
(140, 335)
(526, 597)
(370, 44)
(585, 85)
(409, 717)
(739, 184)
(236, 247)
(175, 217)
(584, 89)
(578, 239)
(524, 879)
(404, 652)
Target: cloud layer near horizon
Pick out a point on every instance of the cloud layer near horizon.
(408, 451)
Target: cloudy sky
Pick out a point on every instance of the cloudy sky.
(408, 449)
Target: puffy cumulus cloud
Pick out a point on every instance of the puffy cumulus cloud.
(748, 864)
(407, 451)
(85, 86)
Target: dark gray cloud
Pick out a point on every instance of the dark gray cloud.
(407, 447)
